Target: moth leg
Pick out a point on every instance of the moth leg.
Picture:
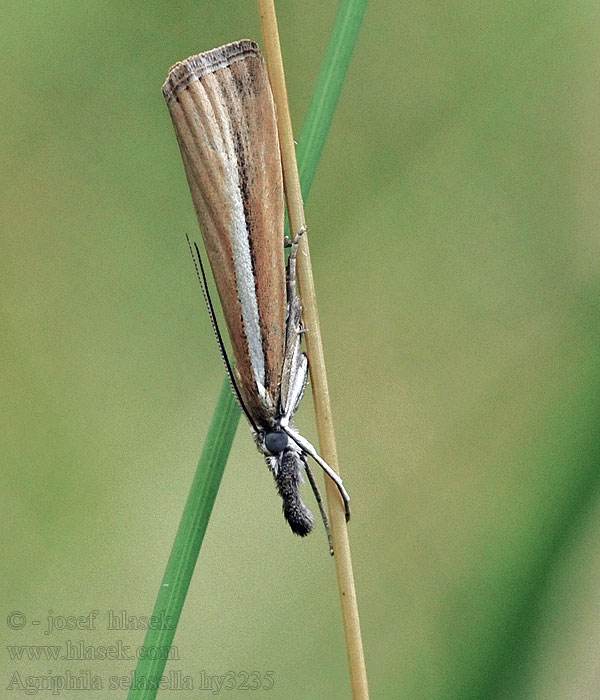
(310, 450)
(293, 375)
(292, 390)
(319, 500)
(289, 242)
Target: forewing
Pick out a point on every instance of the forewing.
(224, 117)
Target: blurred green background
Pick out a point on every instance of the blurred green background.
(454, 234)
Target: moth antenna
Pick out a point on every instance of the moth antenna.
(201, 275)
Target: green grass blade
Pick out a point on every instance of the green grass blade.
(327, 89)
(188, 541)
(211, 465)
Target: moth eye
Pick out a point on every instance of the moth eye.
(276, 441)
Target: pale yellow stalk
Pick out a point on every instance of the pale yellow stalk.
(339, 530)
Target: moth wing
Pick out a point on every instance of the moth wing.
(224, 117)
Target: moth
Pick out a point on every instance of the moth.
(224, 117)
